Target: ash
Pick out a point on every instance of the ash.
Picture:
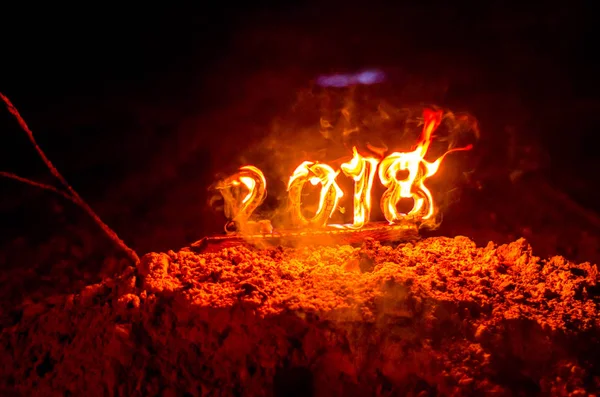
(439, 316)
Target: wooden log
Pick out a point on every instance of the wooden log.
(381, 231)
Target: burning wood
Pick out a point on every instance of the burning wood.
(380, 231)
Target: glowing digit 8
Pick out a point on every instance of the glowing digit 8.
(418, 170)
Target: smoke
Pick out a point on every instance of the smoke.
(325, 123)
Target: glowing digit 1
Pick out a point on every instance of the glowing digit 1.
(362, 170)
(329, 197)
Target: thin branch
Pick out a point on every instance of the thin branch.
(51, 188)
(74, 196)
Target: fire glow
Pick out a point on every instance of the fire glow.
(244, 191)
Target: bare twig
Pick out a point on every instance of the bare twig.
(71, 194)
(10, 175)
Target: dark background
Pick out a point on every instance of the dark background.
(140, 108)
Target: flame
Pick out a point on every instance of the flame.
(244, 191)
(250, 179)
(419, 169)
(362, 170)
(329, 198)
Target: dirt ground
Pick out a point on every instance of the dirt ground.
(440, 316)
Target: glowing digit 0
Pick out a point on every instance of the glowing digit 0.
(362, 170)
(243, 192)
(329, 196)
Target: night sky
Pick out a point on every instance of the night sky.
(141, 107)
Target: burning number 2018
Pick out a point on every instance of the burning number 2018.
(362, 170)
